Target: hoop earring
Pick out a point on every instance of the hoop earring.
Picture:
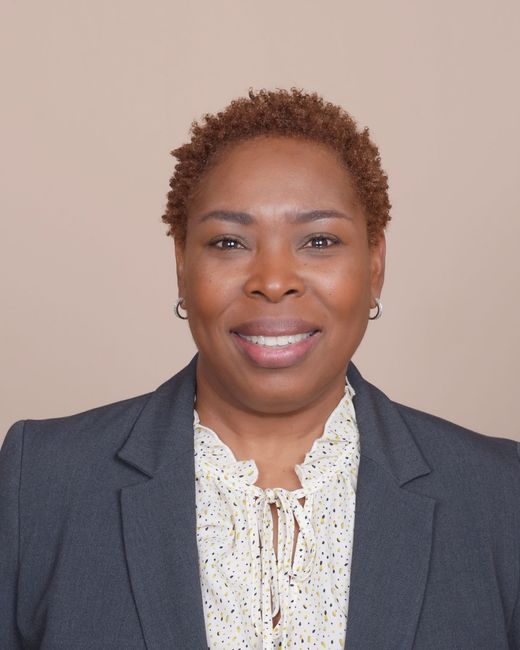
(379, 311)
(178, 305)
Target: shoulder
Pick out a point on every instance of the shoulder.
(95, 421)
(95, 431)
(437, 437)
(459, 458)
(92, 439)
(65, 464)
(455, 436)
(456, 459)
(485, 459)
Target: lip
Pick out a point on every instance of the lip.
(275, 327)
(283, 356)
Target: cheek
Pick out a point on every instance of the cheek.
(208, 294)
(200, 283)
(346, 289)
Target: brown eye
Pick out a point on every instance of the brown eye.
(226, 243)
(321, 241)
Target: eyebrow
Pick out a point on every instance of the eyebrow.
(246, 219)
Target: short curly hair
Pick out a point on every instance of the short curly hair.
(291, 113)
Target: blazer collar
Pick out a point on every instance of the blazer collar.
(164, 428)
(386, 438)
(392, 531)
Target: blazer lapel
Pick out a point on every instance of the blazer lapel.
(159, 518)
(393, 527)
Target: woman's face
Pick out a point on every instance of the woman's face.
(277, 274)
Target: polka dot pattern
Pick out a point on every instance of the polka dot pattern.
(245, 584)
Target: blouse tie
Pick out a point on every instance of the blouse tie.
(276, 577)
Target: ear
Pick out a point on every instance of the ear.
(179, 263)
(377, 268)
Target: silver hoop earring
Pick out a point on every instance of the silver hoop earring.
(178, 306)
(379, 311)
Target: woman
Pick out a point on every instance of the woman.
(266, 496)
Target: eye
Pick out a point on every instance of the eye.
(321, 241)
(226, 243)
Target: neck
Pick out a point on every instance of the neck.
(274, 440)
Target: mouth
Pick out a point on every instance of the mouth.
(276, 343)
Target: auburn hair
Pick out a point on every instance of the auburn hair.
(291, 113)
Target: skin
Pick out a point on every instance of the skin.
(321, 270)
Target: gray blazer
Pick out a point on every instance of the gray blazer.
(98, 547)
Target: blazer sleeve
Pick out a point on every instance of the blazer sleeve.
(10, 470)
(514, 627)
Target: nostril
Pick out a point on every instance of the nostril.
(271, 295)
(273, 288)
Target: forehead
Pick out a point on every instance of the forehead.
(275, 170)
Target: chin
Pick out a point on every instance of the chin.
(281, 390)
(273, 399)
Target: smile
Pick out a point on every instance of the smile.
(277, 341)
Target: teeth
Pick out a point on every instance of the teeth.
(276, 341)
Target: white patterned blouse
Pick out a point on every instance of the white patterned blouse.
(245, 584)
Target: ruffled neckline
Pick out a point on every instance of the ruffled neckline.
(335, 451)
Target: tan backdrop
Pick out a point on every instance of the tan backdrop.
(97, 92)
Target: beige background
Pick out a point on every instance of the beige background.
(97, 92)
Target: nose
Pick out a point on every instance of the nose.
(274, 275)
